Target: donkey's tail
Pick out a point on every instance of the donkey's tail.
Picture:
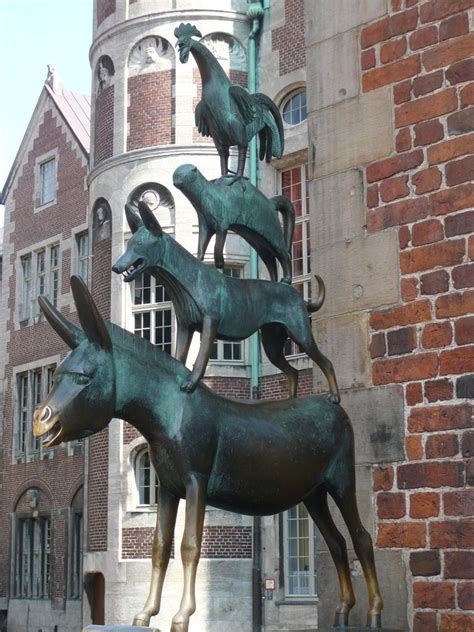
(313, 307)
(283, 205)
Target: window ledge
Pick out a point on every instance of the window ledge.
(297, 601)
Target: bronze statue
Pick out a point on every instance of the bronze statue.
(228, 112)
(248, 213)
(255, 458)
(219, 306)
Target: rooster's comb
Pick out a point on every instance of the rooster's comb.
(186, 30)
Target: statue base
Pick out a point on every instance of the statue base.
(117, 628)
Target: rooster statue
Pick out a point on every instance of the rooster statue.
(227, 112)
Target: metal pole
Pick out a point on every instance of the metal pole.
(254, 13)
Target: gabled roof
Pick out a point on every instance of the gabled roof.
(74, 108)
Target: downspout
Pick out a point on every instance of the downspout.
(255, 13)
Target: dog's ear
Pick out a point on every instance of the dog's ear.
(133, 218)
(150, 221)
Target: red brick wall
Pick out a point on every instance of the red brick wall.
(104, 125)
(104, 9)
(98, 474)
(151, 110)
(59, 478)
(289, 39)
(220, 542)
(425, 192)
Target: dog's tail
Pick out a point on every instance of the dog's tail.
(283, 205)
(313, 307)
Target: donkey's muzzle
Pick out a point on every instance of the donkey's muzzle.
(48, 426)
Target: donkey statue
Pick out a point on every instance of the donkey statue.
(253, 458)
(219, 306)
(248, 213)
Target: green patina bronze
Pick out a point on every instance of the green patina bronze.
(254, 458)
(227, 112)
(248, 213)
(219, 306)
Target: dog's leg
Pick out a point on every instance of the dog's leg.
(184, 335)
(208, 335)
(300, 332)
(221, 236)
(205, 234)
(274, 337)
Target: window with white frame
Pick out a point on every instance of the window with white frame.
(227, 351)
(152, 312)
(39, 276)
(300, 553)
(294, 185)
(82, 249)
(32, 388)
(294, 109)
(32, 557)
(47, 183)
(146, 479)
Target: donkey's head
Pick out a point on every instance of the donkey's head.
(145, 247)
(185, 33)
(82, 399)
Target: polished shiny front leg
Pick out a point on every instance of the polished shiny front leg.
(162, 541)
(191, 550)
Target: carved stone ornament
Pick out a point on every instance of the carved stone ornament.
(151, 54)
(227, 50)
(105, 73)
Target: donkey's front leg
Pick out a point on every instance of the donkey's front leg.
(191, 549)
(208, 334)
(162, 540)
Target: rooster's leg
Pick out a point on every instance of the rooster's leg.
(241, 163)
(224, 162)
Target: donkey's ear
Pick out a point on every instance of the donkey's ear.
(133, 218)
(150, 221)
(71, 334)
(92, 322)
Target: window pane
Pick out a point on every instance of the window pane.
(83, 256)
(294, 110)
(48, 181)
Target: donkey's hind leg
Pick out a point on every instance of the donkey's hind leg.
(341, 486)
(274, 337)
(162, 541)
(317, 506)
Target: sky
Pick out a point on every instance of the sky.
(33, 34)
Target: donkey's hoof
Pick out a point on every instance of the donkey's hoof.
(179, 627)
(188, 386)
(142, 619)
(374, 621)
(334, 398)
(341, 620)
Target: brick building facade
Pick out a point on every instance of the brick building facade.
(46, 240)
(378, 114)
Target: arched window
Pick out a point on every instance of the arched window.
(146, 479)
(294, 108)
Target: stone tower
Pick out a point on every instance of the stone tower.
(143, 103)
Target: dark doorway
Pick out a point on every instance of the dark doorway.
(96, 584)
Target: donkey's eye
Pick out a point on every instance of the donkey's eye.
(82, 379)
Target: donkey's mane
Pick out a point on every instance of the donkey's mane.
(138, 345)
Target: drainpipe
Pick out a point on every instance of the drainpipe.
(255, 13)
